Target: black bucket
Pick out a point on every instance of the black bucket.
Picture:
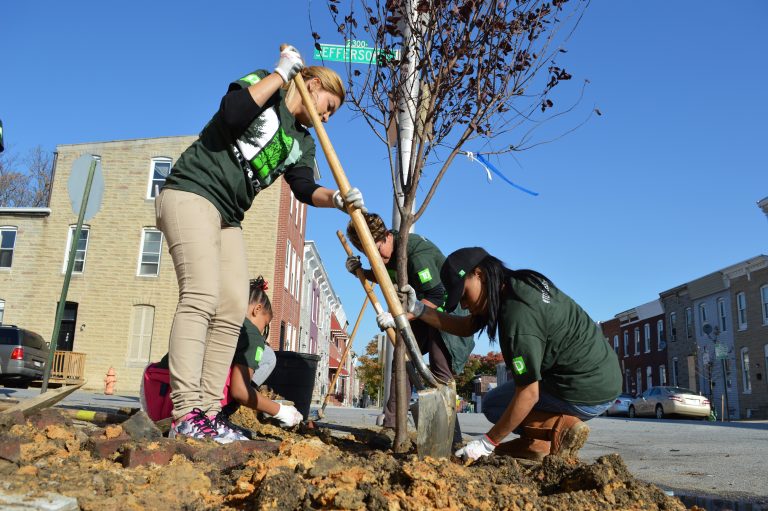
(294, 378)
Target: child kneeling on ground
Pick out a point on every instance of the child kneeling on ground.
(252, 364)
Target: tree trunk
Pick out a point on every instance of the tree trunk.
(401, 442)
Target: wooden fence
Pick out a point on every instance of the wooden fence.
(68, 367)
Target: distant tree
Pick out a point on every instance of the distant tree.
(369, 371)
(477, 365)
(26, 182)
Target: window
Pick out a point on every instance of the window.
(292, 277)
(7, 244)
(80, 251)
(662, 375)
(741, 310)
(149, 260)
(140, 342)
(639, 380)
(298, 277)
(673, 326)
(626, 343)
(721, 314)
(649, 377)
(616, 344)
(702, 316)
(647, 337)
(764, 298)
(660, 344)
(688, 323)
(302, 206)
(674, 372)
(158, 171)
(287, 270)
(2, 310)
(746, 383)
(637, 341)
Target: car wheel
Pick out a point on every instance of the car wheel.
(631, 412)
(659, 412)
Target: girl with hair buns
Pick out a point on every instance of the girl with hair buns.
(258, 134)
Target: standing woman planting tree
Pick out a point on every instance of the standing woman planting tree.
(564, 373)
(257, 135)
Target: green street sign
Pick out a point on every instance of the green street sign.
(721, 351)
(355, 52)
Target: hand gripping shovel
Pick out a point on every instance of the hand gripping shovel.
(437, 404)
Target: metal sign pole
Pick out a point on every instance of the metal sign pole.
(67, 277)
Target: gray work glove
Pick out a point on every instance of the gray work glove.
(290, 63)
(412, 304)
(354, 197)
(353, 264)
(385, 321)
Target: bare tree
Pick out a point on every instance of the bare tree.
(26, 182)
(467, 70)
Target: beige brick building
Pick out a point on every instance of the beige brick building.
(123, 293)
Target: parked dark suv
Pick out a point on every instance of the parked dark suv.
(23, 355)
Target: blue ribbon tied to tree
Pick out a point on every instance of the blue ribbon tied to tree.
(488, 166)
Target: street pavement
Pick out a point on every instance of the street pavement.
(725, 460)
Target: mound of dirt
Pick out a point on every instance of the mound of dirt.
(105, 468)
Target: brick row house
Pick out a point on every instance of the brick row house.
(123, 290)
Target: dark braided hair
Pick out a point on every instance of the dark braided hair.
(258, 294)
(498, 285)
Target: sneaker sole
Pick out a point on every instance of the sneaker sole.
(573, 440)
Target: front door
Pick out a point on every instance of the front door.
(66, 338)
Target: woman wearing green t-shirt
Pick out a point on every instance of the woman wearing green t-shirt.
(563, 370)
(258, 134)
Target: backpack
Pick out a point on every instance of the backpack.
(155, 392)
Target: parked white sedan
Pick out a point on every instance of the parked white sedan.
(663, 401)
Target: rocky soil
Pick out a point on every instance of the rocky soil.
(131, 466)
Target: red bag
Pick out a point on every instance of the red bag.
(155, 392)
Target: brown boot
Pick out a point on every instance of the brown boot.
(566, 432)
(526, 448)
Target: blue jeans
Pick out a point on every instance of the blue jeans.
(496, 401)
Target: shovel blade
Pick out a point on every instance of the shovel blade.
(437, 419)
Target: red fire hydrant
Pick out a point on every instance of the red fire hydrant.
(109, 381)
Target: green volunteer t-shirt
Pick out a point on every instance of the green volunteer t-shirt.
(250, 346)
(549, 338)
(230, 172)
(424, 262)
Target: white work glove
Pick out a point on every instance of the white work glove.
(412, 304)
(354, 197)
(476, 448)
(353, 263)
(385, 321)
(288, 416)
(290, 63)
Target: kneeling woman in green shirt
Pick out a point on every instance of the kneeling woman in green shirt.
(563, 370)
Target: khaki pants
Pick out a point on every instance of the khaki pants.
(212, 274)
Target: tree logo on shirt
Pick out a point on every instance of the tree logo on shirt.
(425, 276)
(519, 365)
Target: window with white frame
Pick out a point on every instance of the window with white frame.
(647, 337)
(721, 315)
(741, 310)
(292, 200)
(626, 343)
(674, 372)
(616, 344)
(81, 249)
(7, 246)
(648, 377)
(702, 316)
(298, 277)
(662, 375)
(639, 380)
(140, 342)
(2, 310)
(688, 322)
(149, 257)
(746, 382)
(672, 326)
(660, 335)
(302, 207)
(764, 298)
(637, 341)
(287, 270)
(292, 284)
(159, 169)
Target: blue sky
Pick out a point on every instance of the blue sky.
(659, 190)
